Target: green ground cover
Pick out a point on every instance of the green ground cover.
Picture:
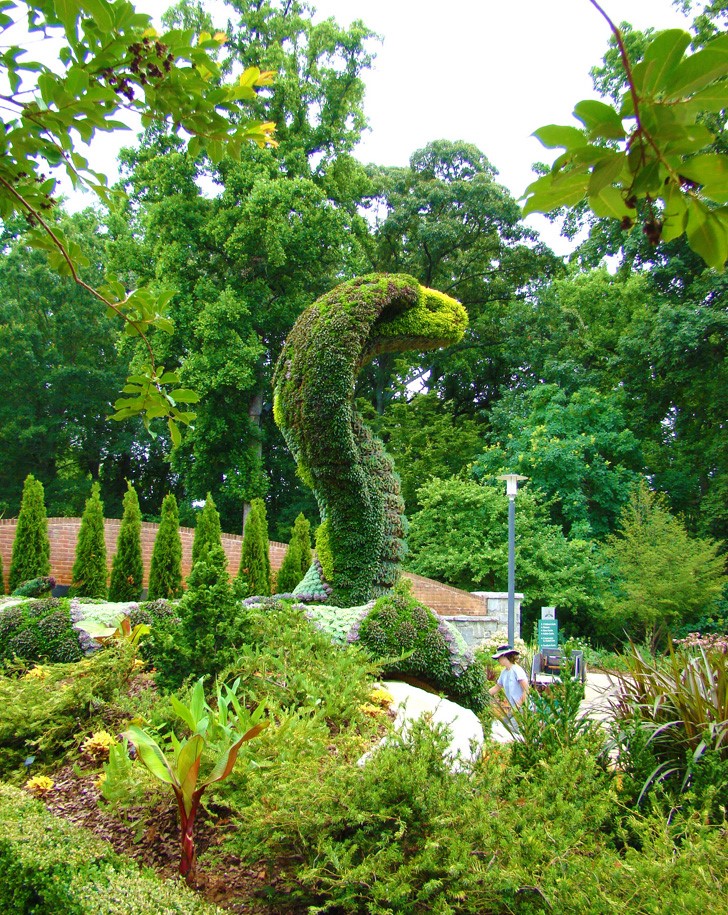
(550, 824)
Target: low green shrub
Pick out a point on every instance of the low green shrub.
(46, 716)
(550, 722)
(39, 630)
(416, 642)
(404, 835)
(209, 630)
(50, 866)
(36, 587)
(287, 662)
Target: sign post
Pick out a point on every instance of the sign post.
(548, 629)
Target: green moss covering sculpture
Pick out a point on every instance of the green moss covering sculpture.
(360, 542)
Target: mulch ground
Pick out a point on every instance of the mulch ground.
(150, 836)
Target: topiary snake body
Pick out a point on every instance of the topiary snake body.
(360, 542)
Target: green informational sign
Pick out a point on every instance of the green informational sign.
(548, 634)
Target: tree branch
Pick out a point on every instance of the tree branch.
(114, 306)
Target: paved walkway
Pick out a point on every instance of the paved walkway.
(599, 689)
(467, 733)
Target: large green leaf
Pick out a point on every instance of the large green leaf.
(150, 754)
(68, 12)
(188, 767)
(600, 120)
(181, 710)
(610, 202)
(556, 192)
(552, 136)
(708, 169)
(699, 70)
(605, 173)
(707, 235)
(714, 98)
(661, 56)
(198, 706)
(675, 214)
(227, 761)
(101, 12)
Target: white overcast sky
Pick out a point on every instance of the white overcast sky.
(486, 72)
(482, 71)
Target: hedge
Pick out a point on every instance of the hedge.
(49, 865)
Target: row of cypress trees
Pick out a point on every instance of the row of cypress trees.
(31, 549)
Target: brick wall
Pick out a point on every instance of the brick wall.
(63, 533)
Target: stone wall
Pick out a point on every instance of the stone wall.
(491, 617)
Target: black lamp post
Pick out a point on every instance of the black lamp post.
(512, 481)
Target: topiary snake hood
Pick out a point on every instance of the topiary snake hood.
(360, 542)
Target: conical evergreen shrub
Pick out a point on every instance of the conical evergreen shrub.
(289, 573)
(89, 569)
(127, 569)
(31, 547)
(202, 645)
(165, 573)
(255, 560)
(297, 560)
(208, 534)
(302, 531)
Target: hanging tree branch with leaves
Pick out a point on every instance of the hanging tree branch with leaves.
(662, 157)
(112, 62)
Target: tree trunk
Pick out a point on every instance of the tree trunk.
(255, 409)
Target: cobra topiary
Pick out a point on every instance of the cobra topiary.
(360, 542)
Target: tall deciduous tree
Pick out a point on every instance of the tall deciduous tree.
(446, 221)
(89, 574)
(575, 448)
(283, 230)
(31, 547)
(427, 440)
(460, 537)
(113, 64)
(127, 569)
(165, 573)
(59, 364)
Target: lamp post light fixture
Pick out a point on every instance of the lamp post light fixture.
(512, 481)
